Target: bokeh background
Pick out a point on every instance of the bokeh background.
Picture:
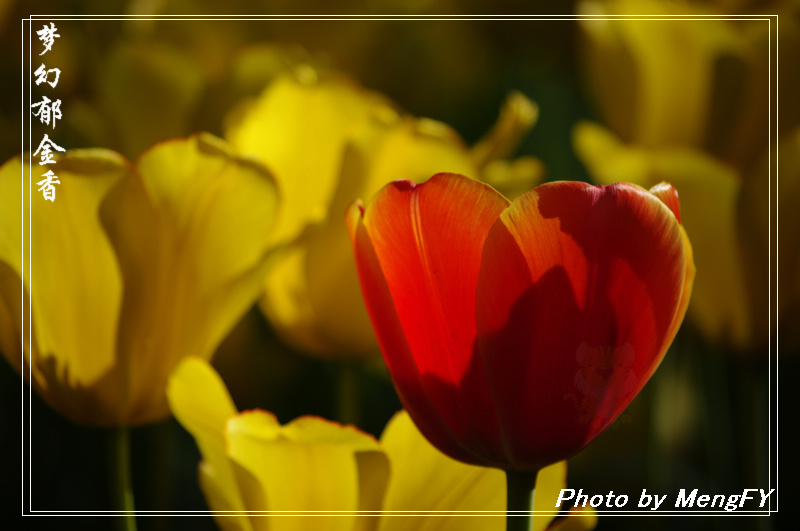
(703, 420)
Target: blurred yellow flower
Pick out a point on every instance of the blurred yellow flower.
(329, 141)
(132, 268)
(251, 463)
(701, 83)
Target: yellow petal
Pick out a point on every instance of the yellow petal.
(424, 479)
(191, 232)
(219, 501)
(312, 295)
(654, 78)
(549, 482)
(708, 192)
(200, 402)
(12, 292)
(605, 51)
(309, 465)
(74, 283)
(12, 301)
(12, 175)
(580, 519)
(517, 116)
(298, 128)
(257, 65)
(413, 149)
(512, 178)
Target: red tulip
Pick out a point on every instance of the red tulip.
(515, 333)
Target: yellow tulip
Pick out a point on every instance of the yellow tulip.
(328, 142)
(251, 463)
(132, 268)
(693, 83)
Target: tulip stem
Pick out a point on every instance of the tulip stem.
(520, 489)
(123, 488)
(347, 394)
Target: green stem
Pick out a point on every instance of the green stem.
(123, 488)
(520, 488)
(347, 394)
(159, 441)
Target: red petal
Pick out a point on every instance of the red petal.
(577, 300)
(418, 251)
(669, 196)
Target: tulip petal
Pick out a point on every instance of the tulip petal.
(12, 301)
(517, 116)
(654, 78)
(515, 177)
(219, 500)
(74, 285)
(580, 519)
(424, 479)
(298, 128)
(12, 290)
(669, 196)
(191, 234)
(709, 193)
(308, 465)
(201, 403)
(418, 253)
(405, 149)
(436, 482)
(576, 303)
(312, 294)
(412, 149)
(12, 175)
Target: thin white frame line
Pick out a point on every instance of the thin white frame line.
(769, 244)
(356, 19)
(30, 268)
(769, 252)
(768, 18)
(769, 257)
(720, 511)
(22, 262)
(389, 16)
(777, 262)
(731, 16)
(722, 514)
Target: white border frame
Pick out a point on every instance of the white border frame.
(27, 32)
